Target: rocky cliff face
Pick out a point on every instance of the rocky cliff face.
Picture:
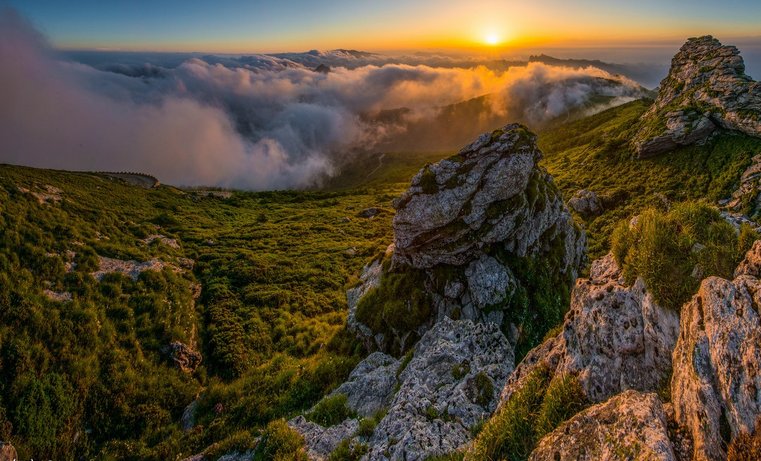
(614, 338)
(469, 230)
(706, 89)
(716, 387)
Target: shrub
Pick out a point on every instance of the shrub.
(240, 442)
(672, 251)
(280, 443)
(330, 411)
(459, 370)
(746, 238)
(366, 427)
(509, 434)
(399, 305)
(348, 450)
(484, 389)
(533, 410)
(428, 181)
(563, 399)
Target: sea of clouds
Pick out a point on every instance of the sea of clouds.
(253, 122)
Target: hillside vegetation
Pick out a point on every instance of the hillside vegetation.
(87, 375)
(254, 281)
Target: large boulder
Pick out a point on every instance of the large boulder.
(716, 387)
(586, 203)
(614, 338)
(706, 89)
(630, 426)
(469, 237)
(491, 192)
(371, 385)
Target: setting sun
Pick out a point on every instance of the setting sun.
(492, 39)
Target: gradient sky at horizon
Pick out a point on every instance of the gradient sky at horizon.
(237, 26)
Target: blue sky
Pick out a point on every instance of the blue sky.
(255, 26)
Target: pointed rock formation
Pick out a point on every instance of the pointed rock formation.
(716, 387)
(471, 235)
(706, 89)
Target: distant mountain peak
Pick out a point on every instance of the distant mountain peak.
(706, 90)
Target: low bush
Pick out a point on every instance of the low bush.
(399, 305)
(538, 407)
(348, 450)
(330, 411)
(673, 251)
(563, 399)
(280, 443)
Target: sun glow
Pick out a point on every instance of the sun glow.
(492, 39)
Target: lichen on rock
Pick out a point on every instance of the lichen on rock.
(614, 338)
(716, 388)
(630, 426)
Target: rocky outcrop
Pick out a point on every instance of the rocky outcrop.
(466, 228)
(7, 452)
(321, 441)
(371, 385)
(630, 426)
(586, 203)
(716, 387)
(706, 89)
(450, 384)
(130, 268)
(491, 192)
(186, 359)
(614, 338)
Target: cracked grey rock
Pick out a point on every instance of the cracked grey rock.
(371, 384)
(438, 400)
(586, 203)
(321, 441)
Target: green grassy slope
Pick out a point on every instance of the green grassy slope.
(593, 153)
(88, 378)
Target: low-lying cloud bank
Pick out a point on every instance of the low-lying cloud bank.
(207, 122)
